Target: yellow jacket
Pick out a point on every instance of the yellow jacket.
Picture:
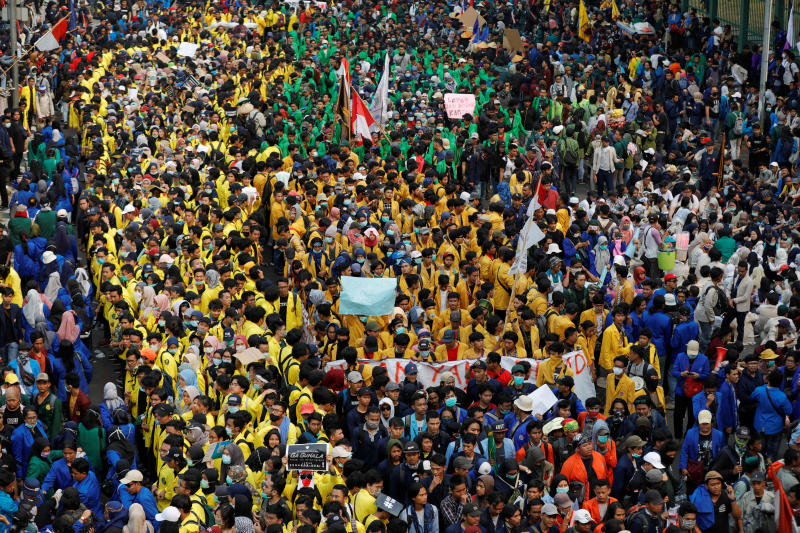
(615, 343)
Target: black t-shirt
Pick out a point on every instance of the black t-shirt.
(592, 475)
(284, 304)
(722, 510)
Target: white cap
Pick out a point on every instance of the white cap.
(48, 257)
(465, 196)
(553, 249)
(131, 476)
(581, 515)
(339, 452)
(704, 417)
(169, 514)
(61, 213)
(166, 258)
(619, 260)
(654, 459)
(129, 209)
(558, 129)
(737, 94)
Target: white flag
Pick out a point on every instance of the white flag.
(790, 35)
(380, 102)
(531, 234)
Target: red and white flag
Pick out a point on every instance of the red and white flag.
(50, 40)
(362, 118)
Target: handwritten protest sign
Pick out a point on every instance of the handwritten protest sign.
(457, 105)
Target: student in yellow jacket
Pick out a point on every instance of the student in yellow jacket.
(619, 385)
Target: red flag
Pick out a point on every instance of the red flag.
(50, 40)
(362, 118)
(786, 516)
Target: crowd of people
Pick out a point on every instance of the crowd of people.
(188, 185)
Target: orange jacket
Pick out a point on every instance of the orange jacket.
(575, 471)
(594, 508)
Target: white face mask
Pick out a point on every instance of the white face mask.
(618, 371)
(209, 349)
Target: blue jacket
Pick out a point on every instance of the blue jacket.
(623, 473)
(89, 491)
(727, 413)
(21, 442)
(661, 326)
(772, 407)
(144, 498)
(699, 402)
(682, 363)
(691, 443)
(683, 333)
(58, 477)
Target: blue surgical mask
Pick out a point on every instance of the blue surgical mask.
(217, 361)
(519, 380)
(229, 431)
(203, 483)
(602, 439)
(400, 330)
(329, 240)
(233, 409)
(228, 480)
(450, 402)
(226, 459)
(562, 490)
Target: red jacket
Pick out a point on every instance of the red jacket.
(82, 403)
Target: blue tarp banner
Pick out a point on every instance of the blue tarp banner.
(367, 296)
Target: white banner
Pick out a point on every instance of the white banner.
(429, 372)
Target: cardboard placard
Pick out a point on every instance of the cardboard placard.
(250, 355)
(164, 58)
(312, 457)
(512, 40)
(468, 19)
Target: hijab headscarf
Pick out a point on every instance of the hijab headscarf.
(62, 238)
(161, 302)
(137, 522)
(118, 442)
(49, 336)
(639, 275)
(68, 329)
(190, 361)
(212, 279)
(256, 460)
(237, 459)
(57, 312)
(53, 285)
(698, 241)
(148, 305)
(111, 398)
(33, 310)
(83, 279)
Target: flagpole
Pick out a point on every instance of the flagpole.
(721, 161)
(12, 19)
(24, 55)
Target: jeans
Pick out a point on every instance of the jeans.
(10, 352)
(605, 180)
(683, 407)
(705, 334)
(772, 444)
(570, 179)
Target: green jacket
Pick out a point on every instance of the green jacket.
(51, 413)
(93, 442)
